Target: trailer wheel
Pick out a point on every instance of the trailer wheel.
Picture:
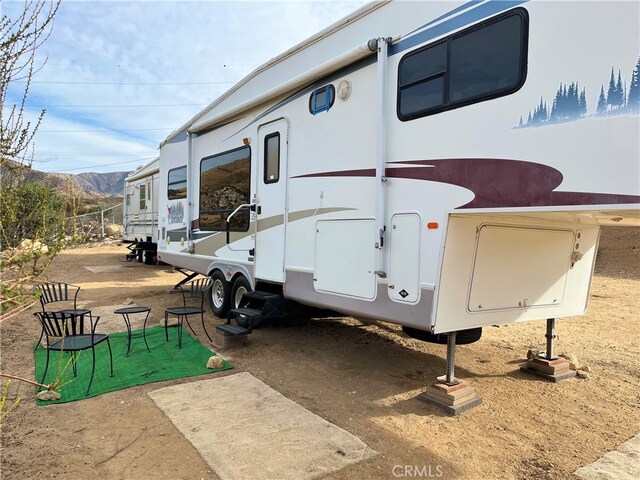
(149, 257)
(240, 286)
(463, 337)
(219, 295)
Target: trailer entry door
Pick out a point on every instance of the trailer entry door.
(271, 194)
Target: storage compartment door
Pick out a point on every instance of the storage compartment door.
(345, 258)
(404, 258)
(519, 268)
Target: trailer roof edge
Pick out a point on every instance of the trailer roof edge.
(334, 27)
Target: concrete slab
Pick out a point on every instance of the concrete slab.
(621, 464)
(106, 268)
(245, 429)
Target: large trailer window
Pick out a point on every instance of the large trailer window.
(177, 183)
(485, 61)
(224, 186)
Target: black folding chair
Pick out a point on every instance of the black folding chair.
(65, 332)
(195, 289)
(63, 295)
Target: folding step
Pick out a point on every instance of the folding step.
(255, 307)
(244, 319)
(234, 330)
(260, 295)
(269, 304)
(248, 313)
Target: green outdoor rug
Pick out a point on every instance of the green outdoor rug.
(165, 362)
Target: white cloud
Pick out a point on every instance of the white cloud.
(138, 43)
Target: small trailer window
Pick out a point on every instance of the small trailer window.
(143, 196)
(177, 183)
(485, 61)
(272, 158)
(321, 100)
(224, 186)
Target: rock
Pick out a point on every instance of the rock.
(28, 245)
(215, 362)
(128, 301)
(25, 244)
(40, 247)
(574, 364)
(582, 374)
(48, 395)
(533, 353)
(585, 368)
(113, 230)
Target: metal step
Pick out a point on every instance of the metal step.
(244, 312)
(234, 330)
(260, 295)
(255, 308)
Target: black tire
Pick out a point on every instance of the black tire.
(149, 257)
(240, 285)
(219, 295)
(463, 337)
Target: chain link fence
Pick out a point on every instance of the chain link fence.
(106, 222)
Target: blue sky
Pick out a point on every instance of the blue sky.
(120, 76)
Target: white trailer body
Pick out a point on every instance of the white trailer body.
(454, 176)
(140, 211)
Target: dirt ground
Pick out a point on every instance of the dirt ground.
(361, 376)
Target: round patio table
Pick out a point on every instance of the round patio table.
(125, 312)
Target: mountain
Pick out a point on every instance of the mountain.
(111, 184)
(84, 185)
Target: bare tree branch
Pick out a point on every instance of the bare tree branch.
(20, 38)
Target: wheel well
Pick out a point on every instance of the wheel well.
(236, 275)
(230, 271)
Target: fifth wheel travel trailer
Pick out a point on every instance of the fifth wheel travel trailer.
(140, 211)
(444, 166)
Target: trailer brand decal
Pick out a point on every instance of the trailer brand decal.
(175, 213)
(496, 183)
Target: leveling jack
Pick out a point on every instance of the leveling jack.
(549, 366)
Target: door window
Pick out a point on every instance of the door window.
(272, 158)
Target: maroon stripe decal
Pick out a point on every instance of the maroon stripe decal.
(499, 183)
(496, 183)
(366, 172)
